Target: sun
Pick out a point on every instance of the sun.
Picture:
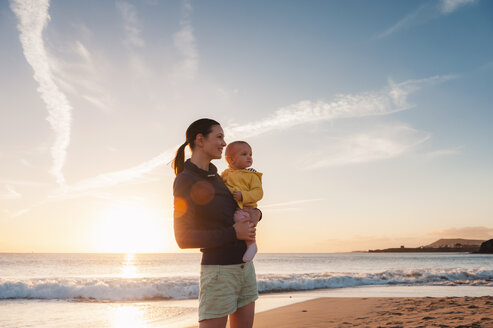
(131, 229)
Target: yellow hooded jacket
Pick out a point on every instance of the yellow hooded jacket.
(248, 181)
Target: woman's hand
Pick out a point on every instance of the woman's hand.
(237, 195)
(244, 229)
(254, 215)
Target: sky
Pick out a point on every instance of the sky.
(370, 120)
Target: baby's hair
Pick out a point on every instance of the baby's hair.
(231, 146)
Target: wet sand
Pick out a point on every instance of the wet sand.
(382, 312)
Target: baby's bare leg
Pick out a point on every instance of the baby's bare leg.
(254, 214)
(251, 245)
(240, 215)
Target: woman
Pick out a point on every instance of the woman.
(203, 218)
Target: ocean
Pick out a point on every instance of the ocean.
(151, 290)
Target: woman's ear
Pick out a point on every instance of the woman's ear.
(199, 140)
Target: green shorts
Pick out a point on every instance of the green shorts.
(225, 288)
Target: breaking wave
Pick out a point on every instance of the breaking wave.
(116, 289)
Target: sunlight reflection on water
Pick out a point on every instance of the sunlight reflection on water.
(129, 269)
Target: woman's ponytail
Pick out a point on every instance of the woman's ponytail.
(202, 126)
(179, 160)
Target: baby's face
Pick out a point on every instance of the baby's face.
(242, 157)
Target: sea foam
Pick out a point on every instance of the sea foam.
(115, 289)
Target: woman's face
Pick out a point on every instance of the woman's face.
(213, 143)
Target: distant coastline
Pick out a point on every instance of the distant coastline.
(426, 250)
(456, 245)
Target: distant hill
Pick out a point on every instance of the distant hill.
(442, 245)
(454, 242)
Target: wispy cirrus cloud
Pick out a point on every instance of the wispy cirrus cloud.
(420, 15)
(444, 152)
(487, 66)
(116, 177)
(13, 214)
(384, 142)
(9, 193)
(448, 6)
(33, 18)
(389, 100)
(293, 202)
(425, 13)
(133, 38)
(132, 28)
(20, 212)
(77, 73)
(293, 205)
(184, 41)
(24, 183)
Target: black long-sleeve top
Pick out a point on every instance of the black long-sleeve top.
(203, 216)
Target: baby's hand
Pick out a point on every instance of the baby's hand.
(237, 195)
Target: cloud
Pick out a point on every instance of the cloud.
(420, 15)
(78, 74)
(487, 66)
(449, 6)
(132, 29)
(382, 143)
(133, 38)
(9, 193)
(294, 202)
(443, 152)
(478, 232)
(83, 53)
(97, 102)
(113, 178)
(83, 30)
(26, 163)
(184, 41)
(288, 206)
(26, 183)
(20, 212)
(424, 14)
(33, 18)
(390, 100)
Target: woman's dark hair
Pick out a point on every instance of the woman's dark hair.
(202, 126)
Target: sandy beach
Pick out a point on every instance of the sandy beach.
(382, 312)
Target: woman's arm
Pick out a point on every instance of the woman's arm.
(188, 237)
(187, 234)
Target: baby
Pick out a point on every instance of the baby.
(244, 183)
